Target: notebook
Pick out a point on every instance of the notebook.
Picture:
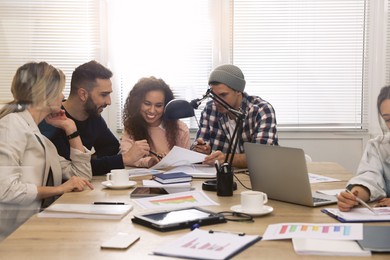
(281, 172)
(376, 238)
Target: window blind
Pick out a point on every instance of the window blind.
(172, 41)
(306, 58)
(62, 33)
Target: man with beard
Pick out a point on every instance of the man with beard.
(217, 124)
(89, 94)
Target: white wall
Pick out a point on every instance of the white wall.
(345, 148)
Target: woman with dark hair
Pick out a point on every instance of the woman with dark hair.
(372, 182)
(143, 120)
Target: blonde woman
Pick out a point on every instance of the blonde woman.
(32, 174)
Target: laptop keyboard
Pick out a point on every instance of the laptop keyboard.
(315, 200)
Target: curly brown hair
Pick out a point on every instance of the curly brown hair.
(134, 124)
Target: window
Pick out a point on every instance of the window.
(62, 33)
(305, 57)
(172, 41)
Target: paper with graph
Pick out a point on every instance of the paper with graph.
(351, 231)
(176, 200)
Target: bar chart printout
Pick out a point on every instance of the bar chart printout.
(350, 231)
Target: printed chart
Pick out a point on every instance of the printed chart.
(351, 231)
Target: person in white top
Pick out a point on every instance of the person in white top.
(143, 119)
(32, 174)
(372, 181)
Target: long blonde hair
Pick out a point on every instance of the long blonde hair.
(34, 84)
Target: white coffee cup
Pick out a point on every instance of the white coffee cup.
(118, 177)
(253, 201)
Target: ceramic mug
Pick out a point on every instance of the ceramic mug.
(118, 177)
(253, 201)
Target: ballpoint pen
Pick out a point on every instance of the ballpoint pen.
(108, 203)
(362, 202)
(228, 232)
(155, 154)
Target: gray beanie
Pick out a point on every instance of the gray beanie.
(229, 75)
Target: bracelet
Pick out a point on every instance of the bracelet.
(73, 135)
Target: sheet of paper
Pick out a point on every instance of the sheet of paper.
(176, 200)
(179, 156)
(351, 231)
(316, 178)
(311, 246)
(200, 244)
(133, 172)
(330, 192)
(360, 214)
(89, 211)
(196, 170)
(170, 188)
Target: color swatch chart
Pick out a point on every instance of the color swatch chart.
(350, 231)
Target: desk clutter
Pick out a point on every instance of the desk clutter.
(188, 222)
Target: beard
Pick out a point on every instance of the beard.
(90, 108)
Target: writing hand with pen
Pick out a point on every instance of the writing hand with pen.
(138, 150)
(201, 146)
(348, 199)
(155, 158)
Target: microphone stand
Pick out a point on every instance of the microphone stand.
(224, 180)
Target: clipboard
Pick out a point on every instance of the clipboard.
(202, 244)
(359, 215)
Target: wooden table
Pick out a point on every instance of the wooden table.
(41, 238)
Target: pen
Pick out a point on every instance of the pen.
(155, 154)
(362, 202)
(108, 203)
(229, 232)
(217, 166)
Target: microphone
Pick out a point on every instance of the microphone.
(196, 102)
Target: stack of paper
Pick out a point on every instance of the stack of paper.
(320, 239)
(311, 246)
(170, 188)
(86, 211)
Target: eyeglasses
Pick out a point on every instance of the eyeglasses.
(236, 216)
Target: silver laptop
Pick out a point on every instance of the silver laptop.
(281, 172)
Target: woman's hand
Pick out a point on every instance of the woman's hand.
(385, 202)
(75, 183)
(346, 201)
(60, 120)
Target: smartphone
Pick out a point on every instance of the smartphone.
(140, 192)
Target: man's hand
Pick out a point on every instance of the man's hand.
(202, 147)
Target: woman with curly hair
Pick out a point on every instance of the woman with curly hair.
(143, 120)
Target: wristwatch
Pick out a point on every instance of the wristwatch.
(73, 135)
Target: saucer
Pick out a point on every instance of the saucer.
(109, 185)
(266, 210)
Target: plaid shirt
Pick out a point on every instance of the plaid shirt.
(259, 124)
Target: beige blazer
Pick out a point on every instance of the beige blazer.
(26, 157)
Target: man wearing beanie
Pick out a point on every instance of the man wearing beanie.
(217, 124)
